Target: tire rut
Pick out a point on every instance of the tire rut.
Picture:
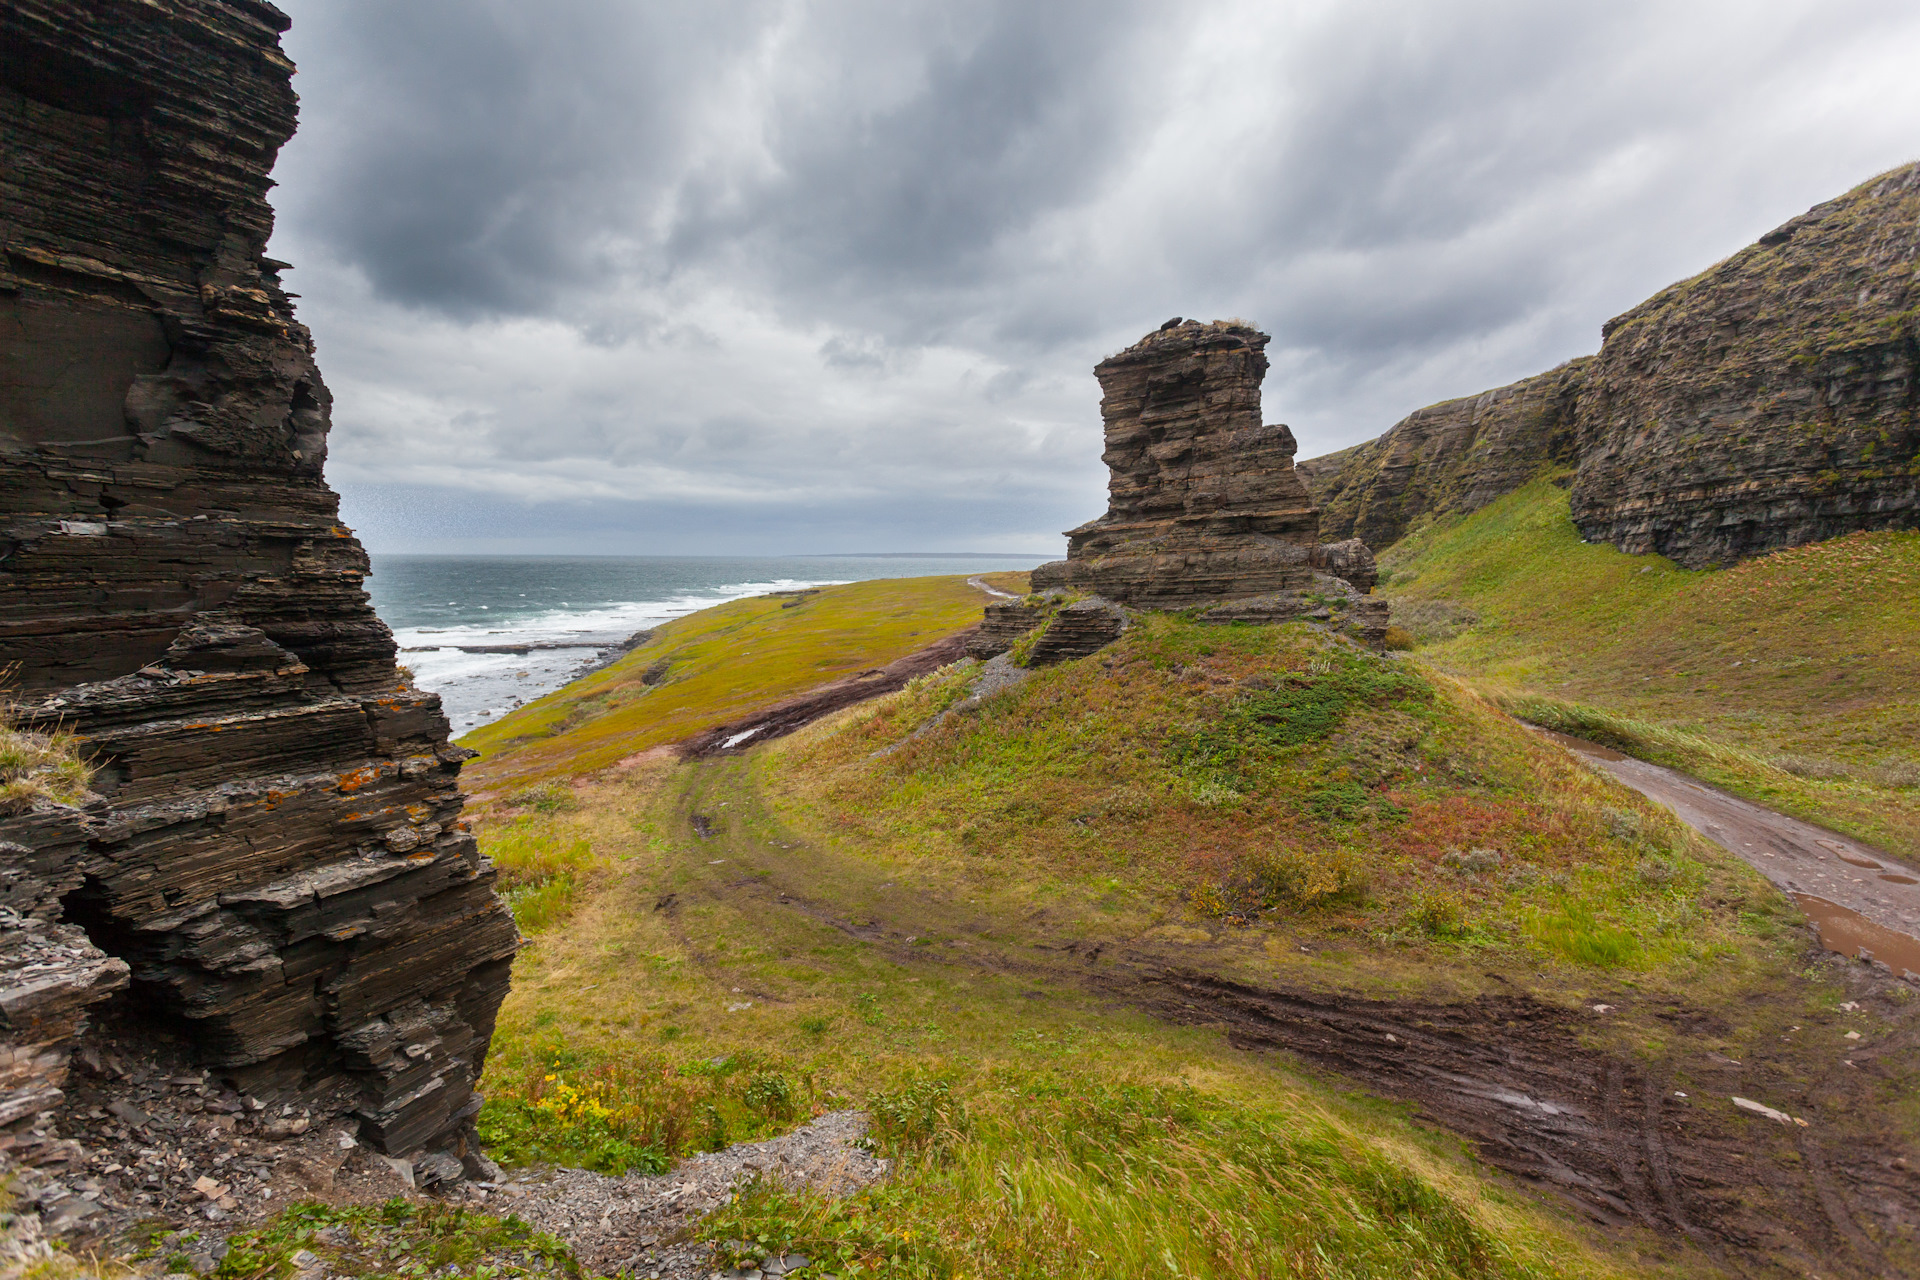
(1508, 1073)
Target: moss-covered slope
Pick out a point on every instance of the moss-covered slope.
(1793, 678)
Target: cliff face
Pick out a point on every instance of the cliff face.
(1458, 455)
(1204, 504)
(1768, 402)
(275, 847)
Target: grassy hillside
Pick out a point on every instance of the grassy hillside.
(1793, 679)
(712, 990)
(1029, 934)
(1268, 773)
(717, 665)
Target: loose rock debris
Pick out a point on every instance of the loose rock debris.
(629, 1223)
(180, 1150)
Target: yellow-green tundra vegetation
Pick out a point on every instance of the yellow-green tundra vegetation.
(961, 915)
(1030, 933)
(715, 665)
(1792, 679)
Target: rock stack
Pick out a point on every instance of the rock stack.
(274, 845)
(1204, 507)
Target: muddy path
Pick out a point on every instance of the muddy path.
(1857, 895)
(797, 712)
(1643, 1142)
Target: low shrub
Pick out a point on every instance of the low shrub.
(1437, 912)
(39, 766)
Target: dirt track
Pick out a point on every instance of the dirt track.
(1635, 1141)
(1798, 857)
(784, 717)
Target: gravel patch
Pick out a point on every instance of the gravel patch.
(629, 1223)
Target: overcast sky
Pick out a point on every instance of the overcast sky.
(763, 276)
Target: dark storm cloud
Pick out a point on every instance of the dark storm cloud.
(745, 259)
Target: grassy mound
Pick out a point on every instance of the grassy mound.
(1793, 679)
(1267, 773)
(718, 665)
(899, 909)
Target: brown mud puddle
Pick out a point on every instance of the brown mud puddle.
(1858, 938)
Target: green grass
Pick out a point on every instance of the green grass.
(886, 915)
(1268, 774)
(684, 1006)
(715, 666)
(1047, 1174)
(542, 863)
(1793, 679)
(397, 1238)
(39, 766)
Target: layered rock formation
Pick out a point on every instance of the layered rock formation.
(276, 847)
(1770, 401)
(1204, 504)
(1204, 508)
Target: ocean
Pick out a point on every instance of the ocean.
(564, 612)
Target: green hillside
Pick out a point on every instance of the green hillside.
(1270, 774)
(715, 666)
(1793, 679)
(1038, 934)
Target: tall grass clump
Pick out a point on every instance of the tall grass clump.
(1059, 1177)
(39, 766)
(541, 869)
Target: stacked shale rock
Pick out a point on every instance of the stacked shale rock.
(1204, 503)
(275, 846)
(1770, 401)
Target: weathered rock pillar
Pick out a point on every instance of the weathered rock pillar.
(276, 847)
(1205, 506)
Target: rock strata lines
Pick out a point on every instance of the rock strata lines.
(275, 846)
(1204, 503)
(1770, 401)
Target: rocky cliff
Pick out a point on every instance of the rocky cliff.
(1458, 455)
(1767, 402)
(1204, 504)
(273, 840)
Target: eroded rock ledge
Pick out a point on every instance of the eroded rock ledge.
(274, 854)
